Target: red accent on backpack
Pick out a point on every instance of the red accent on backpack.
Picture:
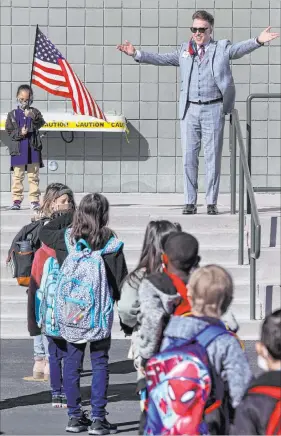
(274, 422)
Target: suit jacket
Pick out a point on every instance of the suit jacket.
(220, 54)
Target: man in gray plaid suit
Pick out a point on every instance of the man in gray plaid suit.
(207, 94)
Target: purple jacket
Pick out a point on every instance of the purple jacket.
(24, 150)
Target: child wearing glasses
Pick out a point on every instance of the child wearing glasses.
(22, 126)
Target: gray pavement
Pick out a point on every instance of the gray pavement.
(25, 405)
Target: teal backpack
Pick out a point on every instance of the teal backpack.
(45, 299)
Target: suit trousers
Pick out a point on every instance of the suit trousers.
(33, 181)
(202, 124)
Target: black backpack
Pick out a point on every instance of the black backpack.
(22, 251)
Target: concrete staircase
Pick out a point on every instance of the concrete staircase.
(218, 238)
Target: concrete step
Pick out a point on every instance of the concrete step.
(17, 308)
(249, 330)
(128, 217)
(14, 294)
(209, 254)
(239, 273)
(135, 236)
(16, 328)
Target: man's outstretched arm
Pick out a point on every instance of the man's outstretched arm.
(240, 49)
(165, 59)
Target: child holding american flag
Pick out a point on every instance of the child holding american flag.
(22, 125)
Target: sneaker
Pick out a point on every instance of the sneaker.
(77, 425)
(35, 205)
(16, 205)
(38, 369)
(101, 427)
(56, 401)
(63, 401)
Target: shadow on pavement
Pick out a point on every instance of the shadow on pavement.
(116, 392)
(135, 427)
(121, 367)
(42, 397)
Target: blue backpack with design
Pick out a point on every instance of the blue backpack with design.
(84, 296)
(185, 395)
(45, 299)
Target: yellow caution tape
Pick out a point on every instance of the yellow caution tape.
(83, 125)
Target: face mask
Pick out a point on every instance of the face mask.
(262, 363)
(24, 104)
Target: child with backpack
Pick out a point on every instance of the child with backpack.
(150, 262)
(22, 125)
(129, 306)
(164, 293)
(201, 373)
(259, 413)
(57, 199)
(88, 284)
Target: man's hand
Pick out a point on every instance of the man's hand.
(127, 48)
(24, 131)
(267, 36)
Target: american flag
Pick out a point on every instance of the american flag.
(52, 72)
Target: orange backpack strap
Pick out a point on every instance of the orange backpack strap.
(186, 314)
(274, 422)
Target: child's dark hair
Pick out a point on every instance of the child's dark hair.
(271, 334)
(90, 221)
(152, 248)
(182, 250)
(27, 88)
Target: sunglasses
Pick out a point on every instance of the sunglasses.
(198, 29)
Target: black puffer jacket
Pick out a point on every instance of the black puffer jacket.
(256, 410)
(52, 234)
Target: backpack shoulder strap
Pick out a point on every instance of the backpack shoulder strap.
(46, 269)
(67, 240)
(112, 246)
(210, 333)
(271, 391)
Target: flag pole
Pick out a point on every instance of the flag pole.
(33, 57)
(30, 82)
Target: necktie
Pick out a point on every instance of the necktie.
(201, 52)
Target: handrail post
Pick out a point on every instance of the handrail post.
(241, 213)
(249, 142)
(232, 140)
(253, 272)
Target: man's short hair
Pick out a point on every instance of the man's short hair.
(271, 334)
(211, 290)
(204, 15)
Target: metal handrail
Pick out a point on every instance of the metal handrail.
(249, 139)
(244, 175)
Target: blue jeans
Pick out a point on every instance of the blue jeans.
(99, 359)
(40, 347)
(58, 352)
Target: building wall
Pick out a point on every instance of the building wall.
(87, 31)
